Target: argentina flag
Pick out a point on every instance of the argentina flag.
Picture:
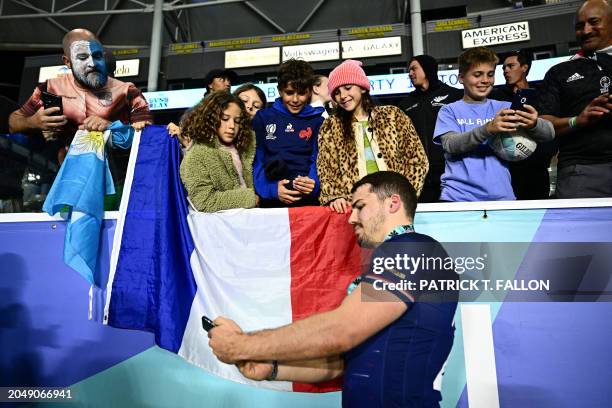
(79, 189)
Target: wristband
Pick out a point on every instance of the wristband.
(572, 122)
(274, 372)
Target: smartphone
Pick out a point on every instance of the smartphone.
(289, 185)
(525, 96)
(207, 324)
(50, 100)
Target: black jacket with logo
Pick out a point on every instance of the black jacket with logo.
(567, 89)
(422, 108)
(530, 180)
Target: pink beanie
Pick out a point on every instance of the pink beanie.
(349, 72)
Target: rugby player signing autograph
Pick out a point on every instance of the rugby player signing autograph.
(390, 345)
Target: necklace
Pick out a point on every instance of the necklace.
(399, 230)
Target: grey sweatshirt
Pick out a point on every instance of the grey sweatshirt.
(459, 143)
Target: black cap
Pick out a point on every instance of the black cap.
(220, 73)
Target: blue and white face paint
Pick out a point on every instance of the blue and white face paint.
(88, 64)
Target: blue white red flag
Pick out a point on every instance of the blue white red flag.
(262, 268)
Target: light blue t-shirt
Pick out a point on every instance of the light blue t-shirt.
(478, 175)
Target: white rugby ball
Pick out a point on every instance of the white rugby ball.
(512, 146)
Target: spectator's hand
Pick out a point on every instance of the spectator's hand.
(175, 131)
(255, 370)
(287, 196)
(224, 340)
(595, 110)
(139, 125)
(304, 184)
(504, 121)
(527, 119)
(340, 206)
(95, 123)
(44, 119)
(257, 200)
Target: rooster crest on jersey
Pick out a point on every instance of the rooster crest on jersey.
(512, 146)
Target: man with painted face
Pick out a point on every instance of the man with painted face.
(576, 97)
(90, 98)
(422, 106)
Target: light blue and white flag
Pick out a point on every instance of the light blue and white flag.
(79, 188)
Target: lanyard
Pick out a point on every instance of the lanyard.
(399, 230)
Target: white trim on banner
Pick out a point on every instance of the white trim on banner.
(125, 198)
(425, 207)
(479, 352)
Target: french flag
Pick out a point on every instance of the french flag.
(263, 268)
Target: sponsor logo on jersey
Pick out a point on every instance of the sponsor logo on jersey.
(437, 101)
(574, 77)
(289, 128)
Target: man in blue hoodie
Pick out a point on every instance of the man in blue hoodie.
(285, 170)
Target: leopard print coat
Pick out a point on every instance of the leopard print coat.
(397, 139)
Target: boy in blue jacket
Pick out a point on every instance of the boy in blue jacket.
(285, 169)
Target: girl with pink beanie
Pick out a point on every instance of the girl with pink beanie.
(361, 138)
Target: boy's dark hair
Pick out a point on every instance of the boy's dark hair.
(386, 183)
(298, 73)
(521, 57)
(474, 56)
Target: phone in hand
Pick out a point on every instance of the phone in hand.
(207, 324)
(289, 185)
(50, 100)
(525, 96)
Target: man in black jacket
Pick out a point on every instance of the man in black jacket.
(530, 180)
(422, 106)
(576, 97)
